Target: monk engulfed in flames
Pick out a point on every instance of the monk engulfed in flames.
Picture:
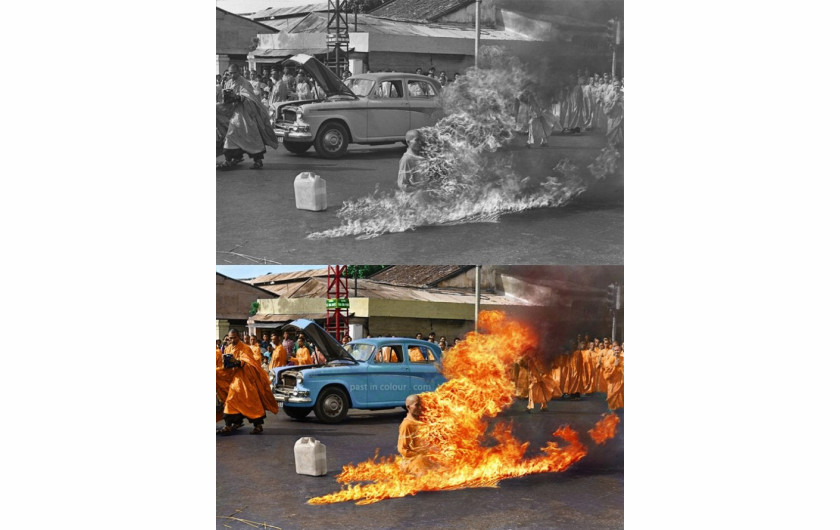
(455, 421)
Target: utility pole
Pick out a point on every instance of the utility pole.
(477, 30)
(477, 294)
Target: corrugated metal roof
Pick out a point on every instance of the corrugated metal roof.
(287, 276)
(317, 23)
(317, 288)
(287, 52)
(269, 317)
(419, 10)
(280, 12)
(418, 275)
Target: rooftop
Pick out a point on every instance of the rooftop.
(419, 10)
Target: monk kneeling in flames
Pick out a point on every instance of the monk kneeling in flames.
(415, 452)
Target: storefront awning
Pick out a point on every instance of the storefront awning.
(274, 320)
(284, 53)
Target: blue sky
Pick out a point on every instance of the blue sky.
(250, 6)
(242, 272)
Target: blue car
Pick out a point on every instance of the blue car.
(370, 374)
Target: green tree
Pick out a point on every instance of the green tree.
(363, 271)
(255, 306)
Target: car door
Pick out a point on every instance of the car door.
(423, 368)
(424, 103)
(388, 111)
(388, 376)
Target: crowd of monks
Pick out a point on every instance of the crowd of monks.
(584, 103)
(595, 366)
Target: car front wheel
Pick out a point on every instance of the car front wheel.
(332, 140)
(297, 412)
(332, 405)
(297, 148)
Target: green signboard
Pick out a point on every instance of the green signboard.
(338, 303)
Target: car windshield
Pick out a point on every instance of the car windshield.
(360, 352)
(360, 87)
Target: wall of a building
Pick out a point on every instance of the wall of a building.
(466, 15)
(409, 327)
(233, 298)
(234, 34)
(466, 280)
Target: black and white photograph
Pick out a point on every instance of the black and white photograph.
(420, 131)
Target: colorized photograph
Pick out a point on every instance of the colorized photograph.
(374, 396)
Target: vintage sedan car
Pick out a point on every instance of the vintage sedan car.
(369, 109)
(371, 374)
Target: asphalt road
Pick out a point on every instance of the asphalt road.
(256, 479)
(257, 222)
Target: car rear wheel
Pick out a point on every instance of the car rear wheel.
(297, 148)
(332, 140)
(297, 412)
(332, 405)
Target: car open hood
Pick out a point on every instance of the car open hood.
(330, 82)
(331, 348)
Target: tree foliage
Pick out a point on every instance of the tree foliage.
(363, 271)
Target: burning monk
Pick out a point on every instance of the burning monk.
(242, 122)
(243, 387)
(416, 460)
(410, 178)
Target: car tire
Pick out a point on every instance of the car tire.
(332, 405)
(332, 140)
(297, 413)
(297, 148)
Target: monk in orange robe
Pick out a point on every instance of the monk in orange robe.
(560, 365)
(523, 379)
(415, 355)
(614, 374)
(540, 385)
(574, 369)
(386, 354)
(279, 357)
(244, 388)
(302, 356)
(600, 383)
(586, 368)
(415, 452)
(254, 344)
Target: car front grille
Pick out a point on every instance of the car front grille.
(288, 380)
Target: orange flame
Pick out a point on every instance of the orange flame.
(455, 424)
(604, 430)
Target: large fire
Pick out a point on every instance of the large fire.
(456, 423)
(472, 180)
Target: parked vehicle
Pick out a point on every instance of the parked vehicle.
(371, 374)
(371, 109)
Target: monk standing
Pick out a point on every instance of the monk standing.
(614, 374)
(254, 344)
(279, 357)
(244, 388)
(302, 355)
(411, 445)
(540, 386)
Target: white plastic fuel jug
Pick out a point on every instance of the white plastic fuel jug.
(310, 192)
(310, 457)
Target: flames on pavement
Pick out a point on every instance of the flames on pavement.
(456, 417)
(470, 179)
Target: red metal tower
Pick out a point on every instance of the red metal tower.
(338, 300)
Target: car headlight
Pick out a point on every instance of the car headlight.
(299, 378)
(299, 116)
